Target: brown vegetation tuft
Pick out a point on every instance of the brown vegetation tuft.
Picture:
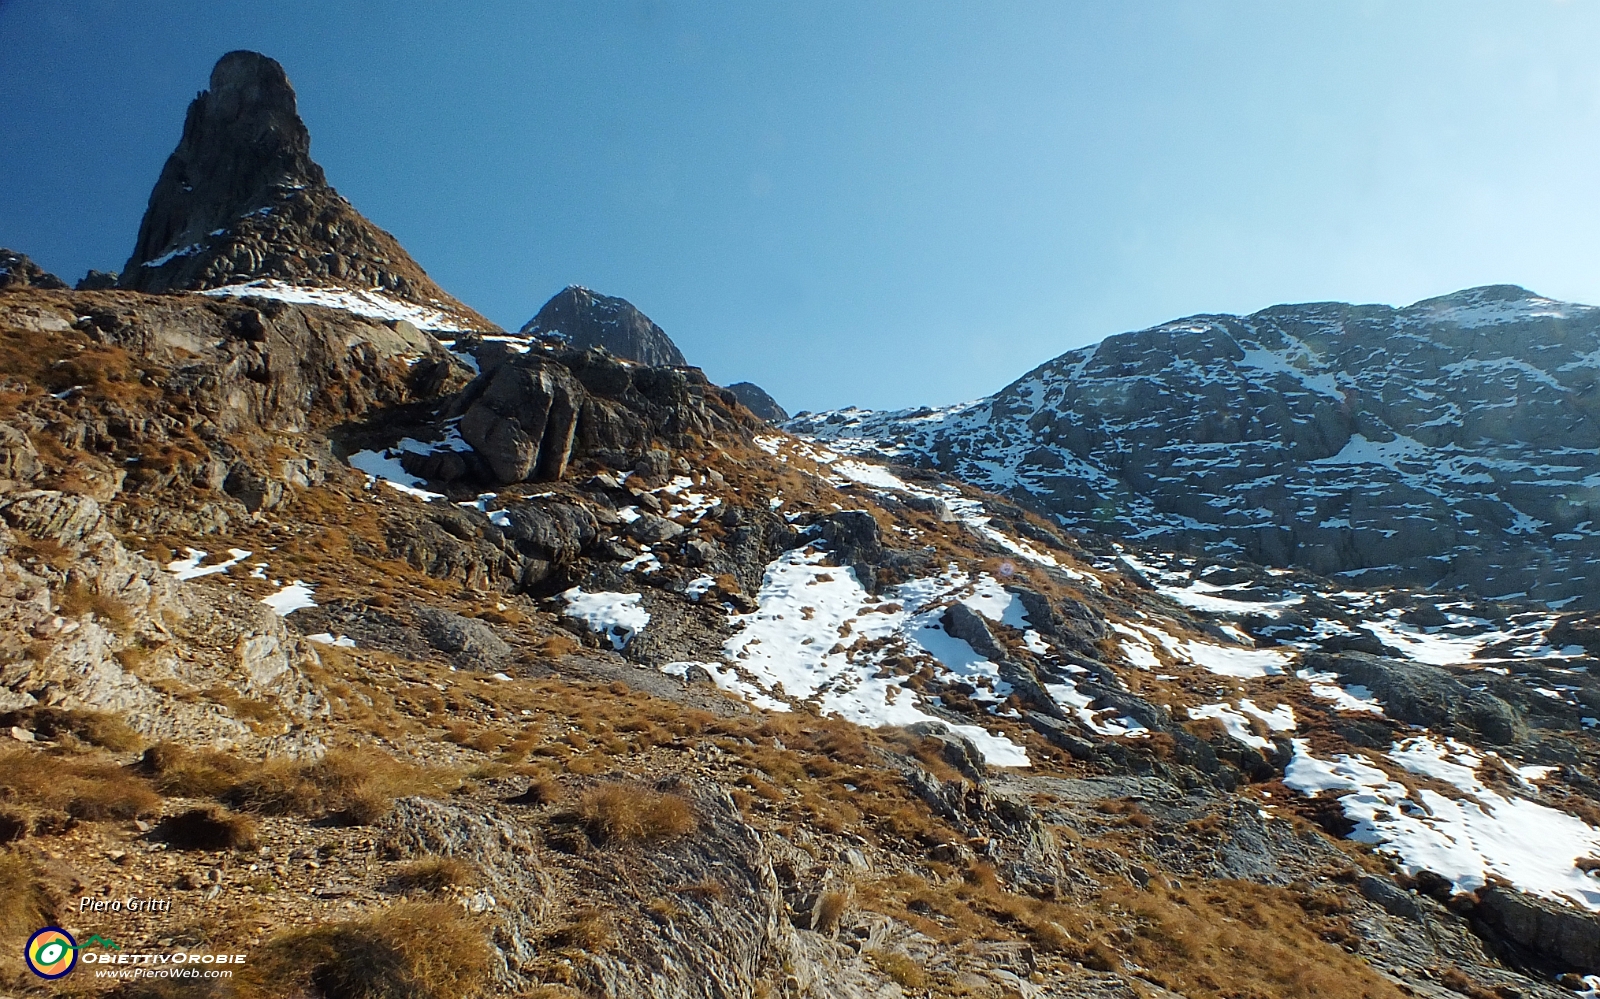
(830, 909)
(435, 874)
(208, 828)
(407, 951)
(86, 788)
(97, 728)
(357, 787)
(25, 903)
(905, 972)
(77, 598)
(621, 813)
(589, 931)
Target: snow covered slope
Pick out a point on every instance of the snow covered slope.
(1452, 443)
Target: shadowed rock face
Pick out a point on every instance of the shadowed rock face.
(241, 200)
(584, 319)
(757, 401)
(527, 416)
(242, 143)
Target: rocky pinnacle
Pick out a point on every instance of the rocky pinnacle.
(241, 200)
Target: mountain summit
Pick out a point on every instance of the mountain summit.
(582, 318)
(240, 202)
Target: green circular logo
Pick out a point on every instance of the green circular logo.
(51, 952)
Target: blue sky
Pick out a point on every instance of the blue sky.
(867, 203)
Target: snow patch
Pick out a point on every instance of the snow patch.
(295, 596)
(619, 616)
(371, 302)
(190, 568)
(1466, 839)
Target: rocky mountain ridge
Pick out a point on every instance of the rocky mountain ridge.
(1453, 443)
(921, 690)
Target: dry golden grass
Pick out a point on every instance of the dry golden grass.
(589, 931)
(87, 788)
(25, 903)
(357, 787)
(1227, 938)
(435, 874)
(544, 791)
(96, 728)
(626, 813)
(707, 890)
(1127, 812)
(904, 971)
(77, 598)
(406, 951)
(209, 828)
(830, 909)
(254, 712)
(181, 772)
(1220, 940)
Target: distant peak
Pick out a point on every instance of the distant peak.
(756, 400)
(1493, 305)
(1481, 295)
(584, 318)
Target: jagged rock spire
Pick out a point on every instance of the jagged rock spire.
(240, 200)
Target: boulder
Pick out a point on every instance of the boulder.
(553, 531)
(522, 419)
(471, 642)
(853, 536)
(968, 625)
(19, 461)
(1425, 695)
(1551, 930)
(254, 490)
(931, 504)
(650, 529)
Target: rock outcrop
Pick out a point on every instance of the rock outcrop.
(241, 202)
(756, 400)
(1547, 930)
(1451, 443)
(86, 663)
(1425, 695)
(18, 271)
(580, 318)
(528, 416)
